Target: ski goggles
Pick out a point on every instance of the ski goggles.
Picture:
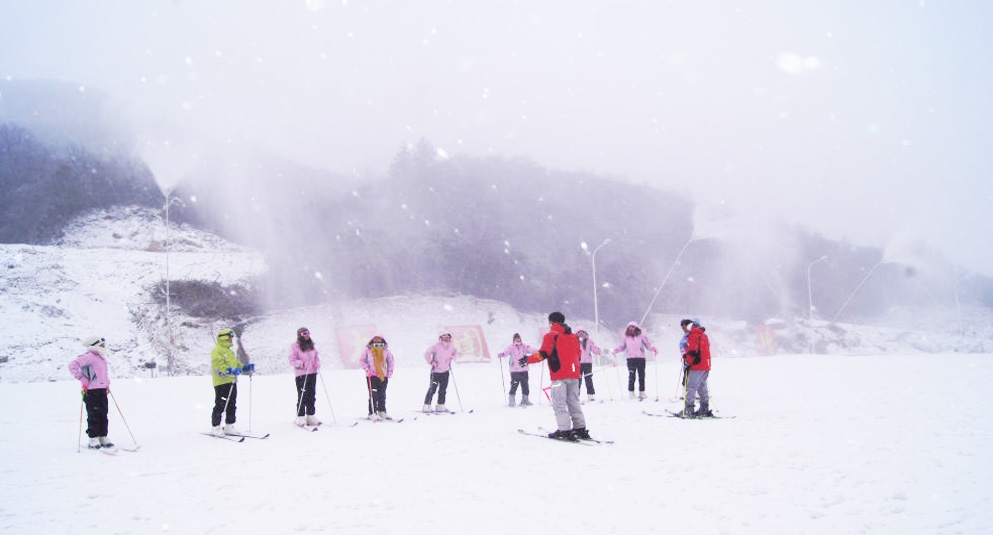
(379, 344)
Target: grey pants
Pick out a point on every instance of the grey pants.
(696, 385)
(565, 401)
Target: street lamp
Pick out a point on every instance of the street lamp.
(596, 310)
(810, 295)
(169, 201)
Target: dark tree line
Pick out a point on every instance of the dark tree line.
(504, 229)
(44, 188)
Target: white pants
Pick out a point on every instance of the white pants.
(565, 401)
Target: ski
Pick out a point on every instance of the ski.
(232, 438)
(675, 414)
(440, 413)
(382, 420)
(545, 436)
(594, 440)
(245, 435)
(106, 451)
(308, 428)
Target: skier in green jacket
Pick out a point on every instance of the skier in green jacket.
(224, 370)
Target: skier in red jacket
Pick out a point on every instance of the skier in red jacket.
(562, 350)
(697, 360)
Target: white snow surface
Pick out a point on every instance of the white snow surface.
(890, 438)
(819, 445)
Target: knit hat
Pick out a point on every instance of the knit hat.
(517, 336)
(556, 317)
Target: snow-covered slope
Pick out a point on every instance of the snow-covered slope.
(98, 282)
(820, 445)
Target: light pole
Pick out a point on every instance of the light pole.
(169, 201)
(810, 294)
(596, 311)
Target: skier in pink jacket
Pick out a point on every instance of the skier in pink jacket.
(440, 357)
(90, 369)
(377, 361)
(518, 371)
(589, 349)
(635, 343)
(306, 363)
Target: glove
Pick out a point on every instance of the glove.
(523, 361)
(248, 368)
(696, 357)
(234, 371)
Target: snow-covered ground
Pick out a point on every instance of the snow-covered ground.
(819, 445)
(891, 441)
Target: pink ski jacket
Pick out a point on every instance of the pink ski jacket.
(515, 352)
(304, 362)
(440, 356)
(635, 345)
(90, 369)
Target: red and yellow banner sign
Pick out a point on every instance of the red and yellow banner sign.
(471, 344)
(767, 340)
(352, 342)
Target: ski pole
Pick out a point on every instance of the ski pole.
(126, 426)
(79, 436)
(451, 370)
(541, 382)
(656, 377)
(503, 383)
(372, 402)
(620, 385)
(250, 402)
(227, 400)
(686, 386)
(330, 408)
(302, 391)
(606, 379)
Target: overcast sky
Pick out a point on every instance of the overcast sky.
(861, 120)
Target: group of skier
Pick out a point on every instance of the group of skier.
(569, 355)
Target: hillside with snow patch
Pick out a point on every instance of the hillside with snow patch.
(100, 278)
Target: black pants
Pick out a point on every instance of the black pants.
(439, 382)
(306, 392)
(96, 412)
(587, 368)
(377, 393)
(636, 365)
(519, 378)
(221, 395)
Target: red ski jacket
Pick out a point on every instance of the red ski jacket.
(566, 346)
(697, 344)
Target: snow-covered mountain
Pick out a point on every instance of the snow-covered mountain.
(99, 281)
